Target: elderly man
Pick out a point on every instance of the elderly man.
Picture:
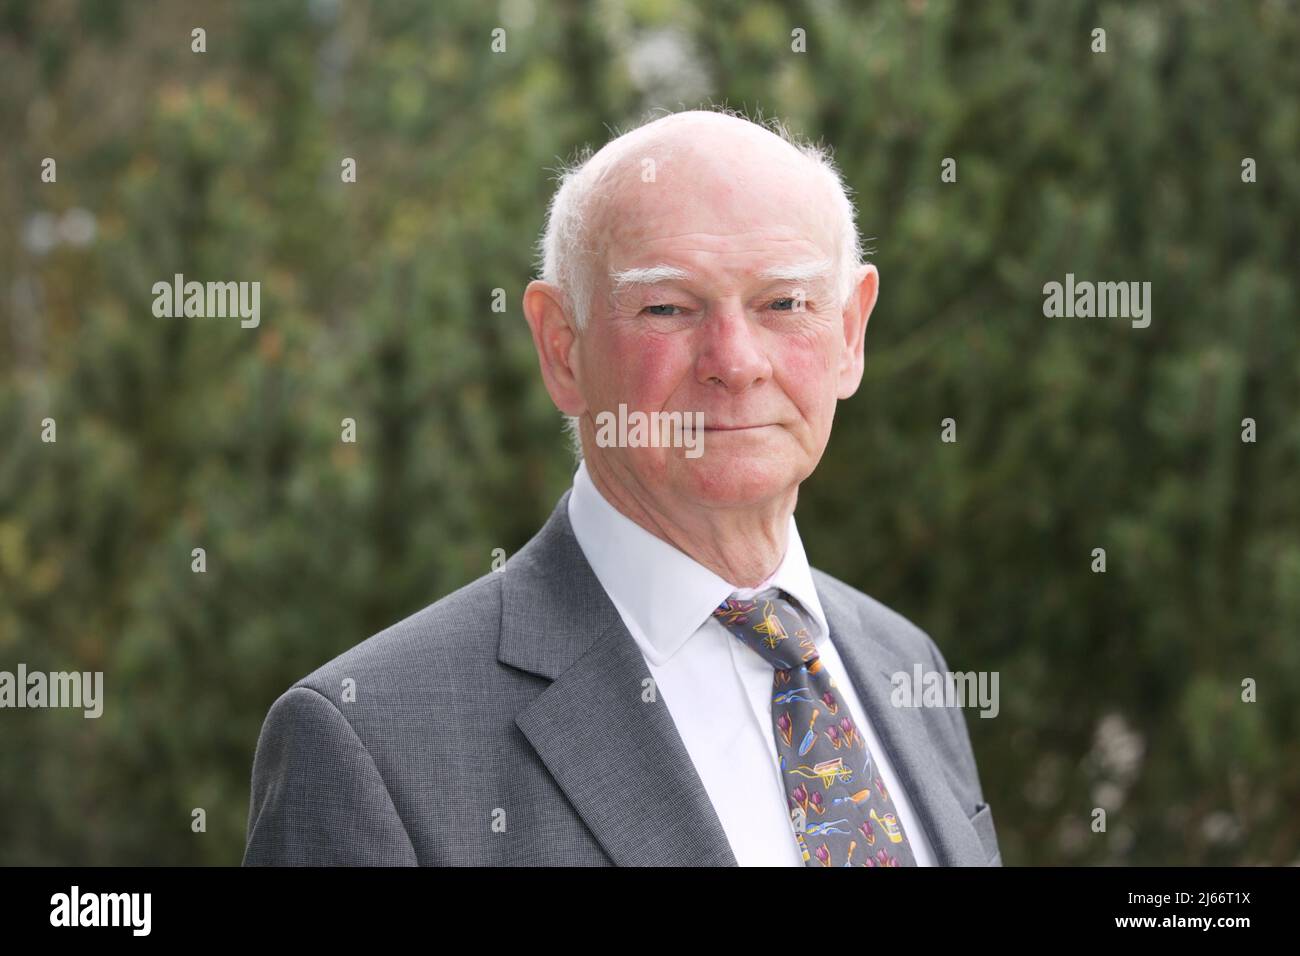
(658, 677)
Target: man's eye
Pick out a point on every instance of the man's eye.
(651, 310)
(777, 305)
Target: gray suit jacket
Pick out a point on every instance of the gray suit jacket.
(507, 724)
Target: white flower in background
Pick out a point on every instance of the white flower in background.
(663, 65)
(45, 230)
(40, 233)
(77, 227)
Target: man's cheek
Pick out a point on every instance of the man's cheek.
(647, 370)
(806, 366)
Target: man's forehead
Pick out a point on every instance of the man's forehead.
(693, 206)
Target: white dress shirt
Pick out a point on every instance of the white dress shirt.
(717, 690)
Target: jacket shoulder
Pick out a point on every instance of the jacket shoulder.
(888, 625)
(463, 626)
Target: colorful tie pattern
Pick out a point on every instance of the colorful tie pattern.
(839, 808)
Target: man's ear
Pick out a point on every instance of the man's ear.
(555, 337)
(856, 313)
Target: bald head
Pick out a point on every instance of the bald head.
(678, 175)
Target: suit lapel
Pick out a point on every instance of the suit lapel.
(617, 757)
(871, 664)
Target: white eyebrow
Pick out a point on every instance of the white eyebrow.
(812, 271)
(800, 272)
(650, 275)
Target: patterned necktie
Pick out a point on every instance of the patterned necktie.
(839, 808)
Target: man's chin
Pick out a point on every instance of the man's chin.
(722, 481)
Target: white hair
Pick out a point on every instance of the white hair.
(566, 256)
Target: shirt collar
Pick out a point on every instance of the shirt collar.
(663, 594)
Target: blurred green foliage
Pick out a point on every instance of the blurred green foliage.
(1119, 689)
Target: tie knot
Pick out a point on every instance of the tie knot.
(771, 624)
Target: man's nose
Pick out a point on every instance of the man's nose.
(730, 351)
